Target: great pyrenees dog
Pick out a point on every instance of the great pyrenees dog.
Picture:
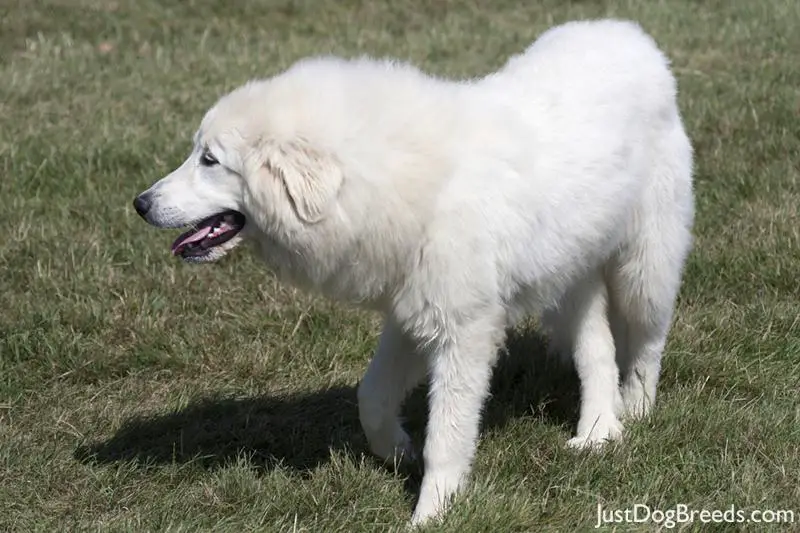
(560, 185)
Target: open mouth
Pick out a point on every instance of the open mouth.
(208, 234)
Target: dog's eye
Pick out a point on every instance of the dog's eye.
(208, 160)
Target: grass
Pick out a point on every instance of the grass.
(141, 394)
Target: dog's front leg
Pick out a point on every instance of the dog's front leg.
(395, 370)
(460, 367)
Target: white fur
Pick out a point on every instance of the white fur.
(560, 184)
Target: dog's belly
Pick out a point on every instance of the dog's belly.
(545, 266)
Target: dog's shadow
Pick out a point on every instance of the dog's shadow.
(300, 431)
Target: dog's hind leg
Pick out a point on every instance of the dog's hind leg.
(644, 293)
(645, 284)
(645, 276)
(395, 370)
(585, 309)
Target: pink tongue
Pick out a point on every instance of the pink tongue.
(199, 235)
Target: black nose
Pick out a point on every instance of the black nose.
(142, 204)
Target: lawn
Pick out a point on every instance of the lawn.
(139, 394)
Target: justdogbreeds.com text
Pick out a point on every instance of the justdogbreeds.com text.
(683, 514)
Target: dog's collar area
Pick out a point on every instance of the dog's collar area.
(208, 233)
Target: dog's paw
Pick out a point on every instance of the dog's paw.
(636, 403)
(423, 517)
(393, 446)
(435, 497)
(604, 430)
(637, 410)
(586, 443)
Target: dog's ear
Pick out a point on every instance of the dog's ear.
(311, 177)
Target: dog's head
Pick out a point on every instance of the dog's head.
(248, 172)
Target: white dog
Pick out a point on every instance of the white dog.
(560, 184)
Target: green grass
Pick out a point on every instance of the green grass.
(141, 394)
